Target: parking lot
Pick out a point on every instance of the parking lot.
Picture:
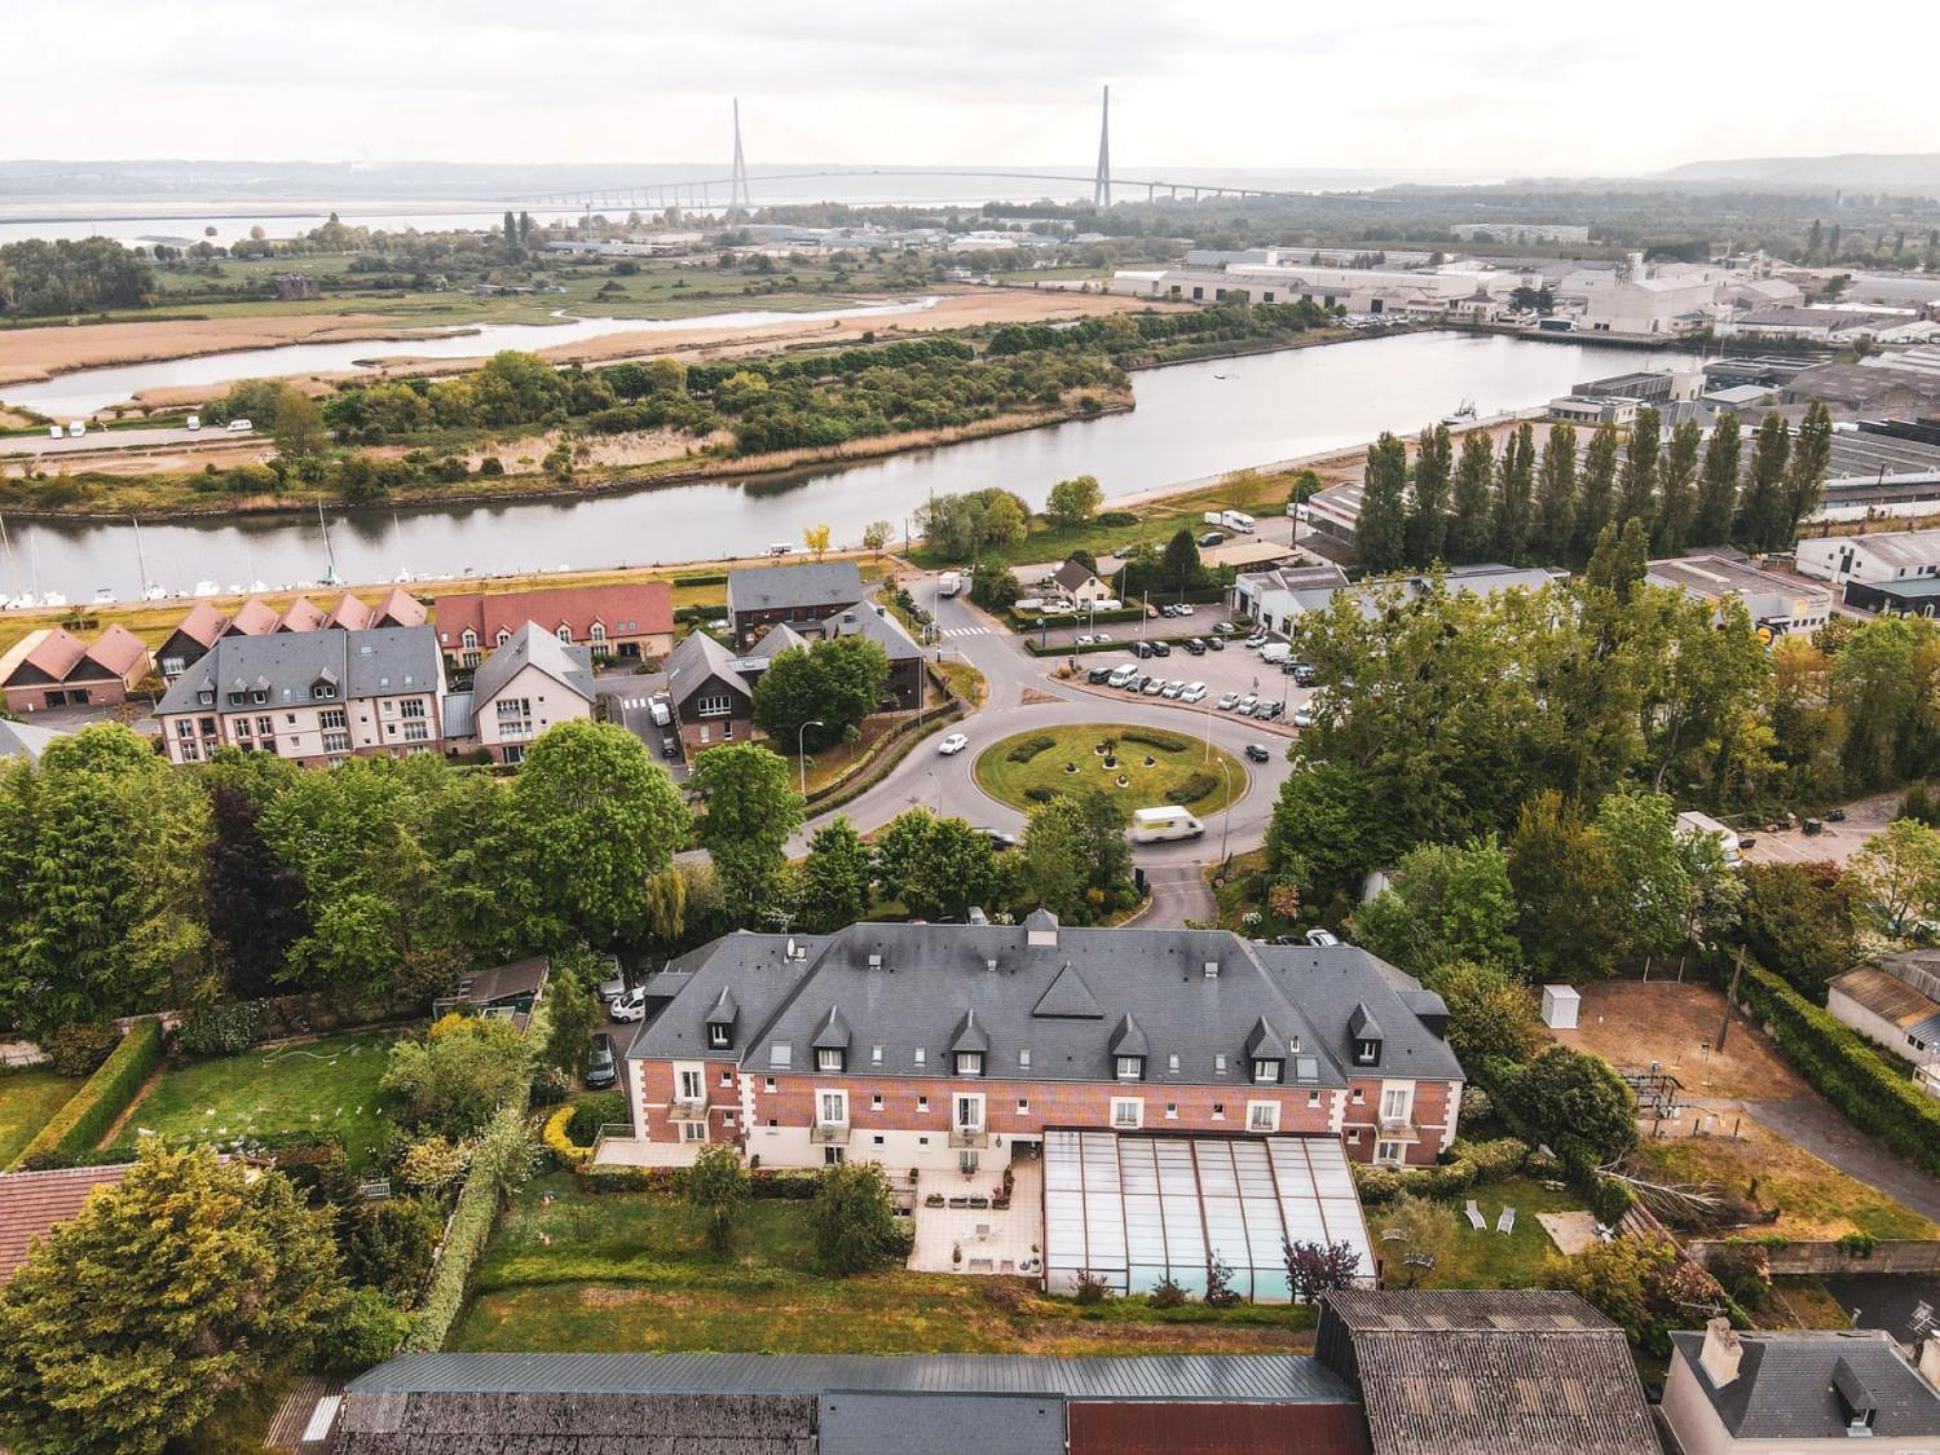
(1229, 677)
(1198, 621)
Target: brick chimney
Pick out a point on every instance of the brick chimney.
(1721, 1353)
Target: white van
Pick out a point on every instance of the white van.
(1275, 652)
(1158, 825)
(1237, 520)
(658, 709)
(193, 422)
(1701, 825)
(240, 426)
(78, 428)
(54, 431)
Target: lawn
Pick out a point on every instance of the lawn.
(328, 1085)
(1171, 767)
(28, 1099)
(574, 1271)
(1467, 1258)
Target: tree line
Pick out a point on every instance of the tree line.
(1518, 504)
(86, 275)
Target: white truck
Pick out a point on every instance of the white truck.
(1213, 517)
(78, 428)
(949, 583)
(1702, 825)
(1160, 825)
(1237, 520)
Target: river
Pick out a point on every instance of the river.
(78, 394)
(1192, 421)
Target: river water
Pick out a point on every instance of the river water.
(1192, 420)
(79, 394)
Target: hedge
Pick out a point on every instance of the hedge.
(702, 578)
(88, 1114)
(1192, 788)
(564, 1149)
(1164, 742)
(765, 1183)
(889, 753)
(1874, 1096)
(1028, 749)
(1474, 1164)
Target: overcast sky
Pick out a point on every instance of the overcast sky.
(1480, 90)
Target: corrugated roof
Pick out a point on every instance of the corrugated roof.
(1887, 996)
(1253, 1377)
(858, 1423)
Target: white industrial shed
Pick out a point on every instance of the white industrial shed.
(1136, 1210)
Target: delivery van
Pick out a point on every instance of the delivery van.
(1159, 825)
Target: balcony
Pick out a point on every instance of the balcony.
(969, 1137)
(688, 1109)
(830, 1134)
(1399, 1129)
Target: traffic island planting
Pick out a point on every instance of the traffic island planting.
(1138, 767)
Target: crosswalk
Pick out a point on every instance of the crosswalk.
(633, 704)
(969, 631)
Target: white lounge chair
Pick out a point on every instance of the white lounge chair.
(1475, 1218)
(1507, 1222)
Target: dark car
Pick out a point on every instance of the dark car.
(1258, 753)
(670, 748)
(1212, 538)
(1160, 649)
(1303, 675)
(601, 1069)
(1142, 650)
(1196, 647)
(1099, 674)
(1218, 644)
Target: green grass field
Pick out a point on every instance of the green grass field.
(1072, 764)
(328, 1085)
(1488, 1259)
(569, 1270)
(28, 1099)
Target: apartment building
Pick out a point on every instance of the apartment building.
(800, 596)
(206, 623)
(944, 1047)
(312, 696)
(628, 621)
(534, 681)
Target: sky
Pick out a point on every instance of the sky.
(1481, 91)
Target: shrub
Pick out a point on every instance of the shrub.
(558, 1139)
(1744, 1270)
(551, 1086)
(1164, 742)
(1858, 1245)
(1030, 747)
(1192, 788)
(1039, 794)
(1167, 1295)
(491, 465)
(1119, 518)
(220, 1030)
(388, 1245)
(464, 1070)
(78, 1050)
(593, 1113)
(716, 1187)
(365, 1331)
(88, 1114)
(1610, 1198)
(499, 1165)
(1091, 1288)
(855, 1219)
(1494, 1160)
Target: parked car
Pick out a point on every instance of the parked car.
(1084, 641)
(670, 748)
(1102, 637)
(1322, 939)
(629, 1007)
(1303, 675)
(1212, 538)
(1218, 644)
(1257, 640)
(1258, 753)
(1303, 717)
(1123, 673)
(1099, 674)
(1193, 692)
(613, 985)
(1136, 682)
(1142, 650)
(1172, 690)
(601, 1069)
(952, 745)
(1195, 646)
(999, 840)
(1246, 704)
(1153, 686)
(1228, 702)
(1160, 649)
(1225, 629)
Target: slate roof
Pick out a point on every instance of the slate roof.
(25, 740)
(1487, 1372)
(31, 1203)
(699, 657)
(794, 588)
(779, 638)
(1784, 1389)
(877, 625)
(644, 608)
(382, 662)
(533, 645)
(1070, 1004)
(1074, 575)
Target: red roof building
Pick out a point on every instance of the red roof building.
(33, 1203)
(620, 621)
(54, 668)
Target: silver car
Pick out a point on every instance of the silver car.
(1172, 689)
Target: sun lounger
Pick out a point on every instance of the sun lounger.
(1475, 1218)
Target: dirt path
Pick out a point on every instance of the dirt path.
(116, 1126)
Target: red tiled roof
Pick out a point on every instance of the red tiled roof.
(119, 650)
(350, 613)
(57, 653)
(301, 615)
(203, 624)
(401, 608)
(649, 605)
(254, 618)
(31, 1203)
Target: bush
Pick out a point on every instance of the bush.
(1120, 518)
(365, 1331)
(1167, 1295)
(1875, 1096)
(1493, 1161)
(1092, 1289)
(1164, 742)
(1610, 1198)
(855, 1219)
(220, 1030)
(1192, 788)
(1744, 1270)
(1029, 748)
(551, 1086)
(569, 1154)
(499, 1165)
(1037, 793)
(593, 1113)
(388, 1245)
(78, 1050)
(88, 1114)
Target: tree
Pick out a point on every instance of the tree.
(1515, 495)
(601, 817)
(1571, 898)
(1641, 830)
(836, 878)
(936, 867)
(1073, 502)
(1491, 1016)
(816, 538)
(1900, 871)
(752, 810)
(1472, 517)
(839, 680)
(876, 535)
(1381, 538)
(169, 1295)
(299, 426)
(1317, 1268)
(1575, 1104)
(1800, 921)
(854, 1217)
(1805, 473)
(1444, 904)
(1556, 496)
(1428, 519)
(459, 1075)
(1329, 828)
(252, 900)
(1677, 502)
(1179, 567)
(1596, 503)
(1717, 502)
(1074, 848)
(574, 1010)
(1765, 522)
(1637, 485)
(716, 1188)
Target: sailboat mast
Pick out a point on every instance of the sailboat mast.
(141, 560)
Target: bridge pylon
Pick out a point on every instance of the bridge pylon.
(1101, 184)
(738, 179)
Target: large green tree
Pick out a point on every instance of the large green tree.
(752, 810)
(1471, 521)
(1381, 539)
(836, 878)
(1811, 462)
(1556, 496)
(187, 1285)
(1073, 502)
(937, 867)
(1428, 512)
(1515, 500)
(1637, 482)
(1717, 498)
(1677, 497)
(838, 682)
(1075, 854)
(1597, 499)
(1444, 904)
(1765, 518)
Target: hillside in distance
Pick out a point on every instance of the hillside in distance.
(1894, 171)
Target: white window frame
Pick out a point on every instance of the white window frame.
(831, 1098)
(693, 1131)
(1130, 1068)
(828, 1058)
(969, 1063)
(1269, 1122)
(1127, 1113)
(974, 1125)
(689, 1083)
(1401, 1097)
(1389, 1154)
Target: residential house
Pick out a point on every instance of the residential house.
(52, 667)
(531, 682)
(1790, 1392)
(302, 615)
(191, 639)
(951, 1046)
(1779, 605)
(712, 691)
(32, 1204)
(629, 621)
(837, 1404)
(254, 618)
(1079, 584)
(907, 671)
(205, 623)
(1486, 1372)
(795, 595)
(311, 696)
(399, 608)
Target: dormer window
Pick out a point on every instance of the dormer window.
(829, 1058)
(470, 638)
(1367, 1053)
(323, 692)
(1131, 1068)
(238, 699)
(503, 636)
(259, 697)
(717, 1036)
(1266, 1069)
(969, 1063)
(566, 632)
(1364, 1033)
(206, 698)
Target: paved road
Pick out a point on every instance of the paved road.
(96, 441)
(948, 785)
(1179, 893)
(1820, 1130)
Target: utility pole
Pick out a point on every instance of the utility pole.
(1730, 997)
(738, 180)
(1101, 184)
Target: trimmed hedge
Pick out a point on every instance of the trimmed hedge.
(88, 1114)
(891, 752)
(568, 1153)
(1192, 788)
(1028, 749)
(1873, 1095)
(1473, 1164)
(1164, 742)
(766, 1183)
(702, 578)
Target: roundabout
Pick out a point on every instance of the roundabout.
(1139, 766)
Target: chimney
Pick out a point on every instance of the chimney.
(1930, 1360)
(875, 962)
(1721, 1354)
(1212, 969)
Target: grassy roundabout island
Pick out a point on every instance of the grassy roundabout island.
(1151, 767)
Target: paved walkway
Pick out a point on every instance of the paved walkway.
(1179, 893)
(1818, 1129)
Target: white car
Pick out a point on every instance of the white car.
(1322, 939)
(629, 1007)
(955, 743)
(1194, 692)
(1303, 717)
(1229, 701)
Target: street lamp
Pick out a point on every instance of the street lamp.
(1226, 825)
(673, 705)
(801, 752)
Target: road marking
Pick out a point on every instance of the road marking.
(968, 631)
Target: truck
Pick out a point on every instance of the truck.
(1275, 652)
(949, 583)
(1237, 520)
(1213, 517)
(1702, 825)
(1161, 825)
(77, 428)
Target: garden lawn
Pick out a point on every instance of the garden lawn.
(1488, 1259)
(329, 1085)
(28, 1101)
(1182, 770)
(571, 1270)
